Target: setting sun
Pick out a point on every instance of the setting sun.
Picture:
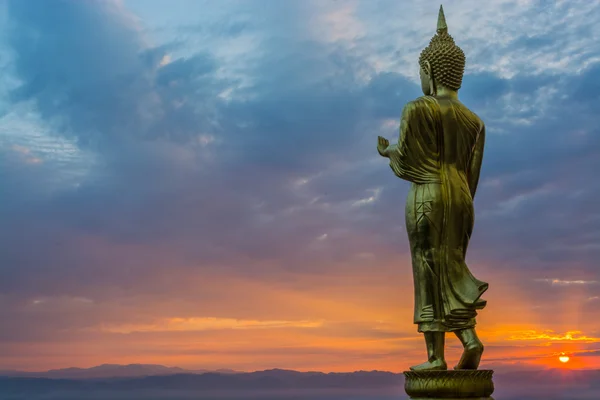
(564, 359)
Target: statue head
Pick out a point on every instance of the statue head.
(442, 62)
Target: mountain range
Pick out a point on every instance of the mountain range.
(110, 371)
(156, 381)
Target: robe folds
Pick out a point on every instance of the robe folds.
(440, 152)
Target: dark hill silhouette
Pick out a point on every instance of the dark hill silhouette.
(110, 371)
(260, 380)
(550, 384)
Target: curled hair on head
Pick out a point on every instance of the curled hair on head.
(447, 60)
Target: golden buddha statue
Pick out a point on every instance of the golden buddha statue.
(440, 152)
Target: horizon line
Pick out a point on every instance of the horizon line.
(203, 370)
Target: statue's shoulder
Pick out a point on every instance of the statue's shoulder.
(478, 119)
(423, 103)
(473, 116)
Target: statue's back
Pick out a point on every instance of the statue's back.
(461, 129)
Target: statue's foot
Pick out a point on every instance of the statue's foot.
(471, 356)
(433, 365)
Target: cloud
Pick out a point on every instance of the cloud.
(200, 324)
(553, 337)
(562, 283)
(162, 157)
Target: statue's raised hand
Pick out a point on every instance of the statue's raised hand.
(382, 145)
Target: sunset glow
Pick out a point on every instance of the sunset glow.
(199, 186)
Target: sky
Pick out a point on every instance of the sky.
(196, 183)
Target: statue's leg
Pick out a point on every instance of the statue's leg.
(473, 349)
(435, 352)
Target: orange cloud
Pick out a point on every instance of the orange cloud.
(575, 336)
(201, 324)
(347, 319)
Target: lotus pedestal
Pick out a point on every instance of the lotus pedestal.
(447, 385)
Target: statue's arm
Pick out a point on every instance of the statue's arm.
(408, 157)
(394, 150)
(402, 159)
(402, 155)
(476, 159)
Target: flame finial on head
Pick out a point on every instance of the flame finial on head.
(441, 24)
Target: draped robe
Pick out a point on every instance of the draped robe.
(440, 152)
